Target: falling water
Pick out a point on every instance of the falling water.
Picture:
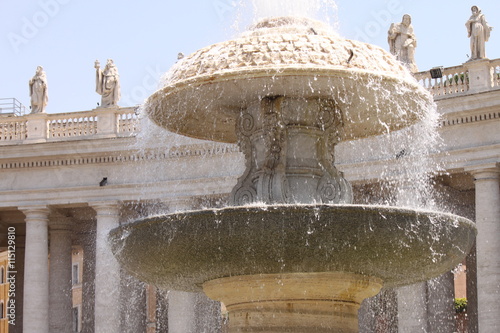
(408, 168)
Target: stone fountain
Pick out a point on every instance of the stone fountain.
(291, 253)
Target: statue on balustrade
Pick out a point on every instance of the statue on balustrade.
(479, 32)
(108, 84)
(38, 91)
(402, 42)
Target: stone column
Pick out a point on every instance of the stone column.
(208, 314)
(151, 300)
(161, 315)
(440, 303)
(181, 314)
(412, 308)
(471, 290)
(412, 299)
(133, 305)
(488, 247)
(36, 271)
(181, 305)
(60, 295)
(107, 270)
(88, 281)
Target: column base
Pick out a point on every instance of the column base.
(295, 302)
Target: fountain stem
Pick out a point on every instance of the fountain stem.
(298, 302)
(288, 144)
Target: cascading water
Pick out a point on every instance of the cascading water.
(300, 257)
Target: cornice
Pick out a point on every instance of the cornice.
(122, 154)
(469, 117)
(131, 192)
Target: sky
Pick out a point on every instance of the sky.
(144, 37)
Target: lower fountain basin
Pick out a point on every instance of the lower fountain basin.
(181, 251)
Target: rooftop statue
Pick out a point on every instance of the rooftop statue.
(402, 42)
(479, 32)
(108, 84)
(38, 91)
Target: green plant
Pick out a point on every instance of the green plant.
(460, 305)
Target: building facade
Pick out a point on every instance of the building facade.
(67, 179)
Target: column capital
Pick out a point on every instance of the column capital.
(484, 171)
(60, 222)
(60, 225)
(105, 208)
(35, 209)
(104, 204)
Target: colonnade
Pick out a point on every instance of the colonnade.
(47, 304)
(111, 300)
(47, 283)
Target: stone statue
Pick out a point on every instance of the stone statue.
(402, 42)
(38, 91)
(479, 32)
(108, 84)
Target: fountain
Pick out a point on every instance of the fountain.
(291, 253)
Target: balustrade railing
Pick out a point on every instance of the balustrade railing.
(457, 80)
(495, 64)
(12, 130)
(128, 122)
(64, 126)
(125, 121)
(72, 125)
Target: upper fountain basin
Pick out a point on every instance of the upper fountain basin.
(400, 246)
(204, 92)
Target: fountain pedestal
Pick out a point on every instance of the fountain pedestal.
(289, 145)
(295, 302)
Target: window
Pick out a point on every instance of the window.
(1, 311)
(75, 274)
(76, 319)
(2, 275)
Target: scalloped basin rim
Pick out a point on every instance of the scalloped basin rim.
(221, 96)
(181, 251)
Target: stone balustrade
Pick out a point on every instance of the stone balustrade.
(454, 81)
(98, 123)
(495, 64)
(471, 77)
